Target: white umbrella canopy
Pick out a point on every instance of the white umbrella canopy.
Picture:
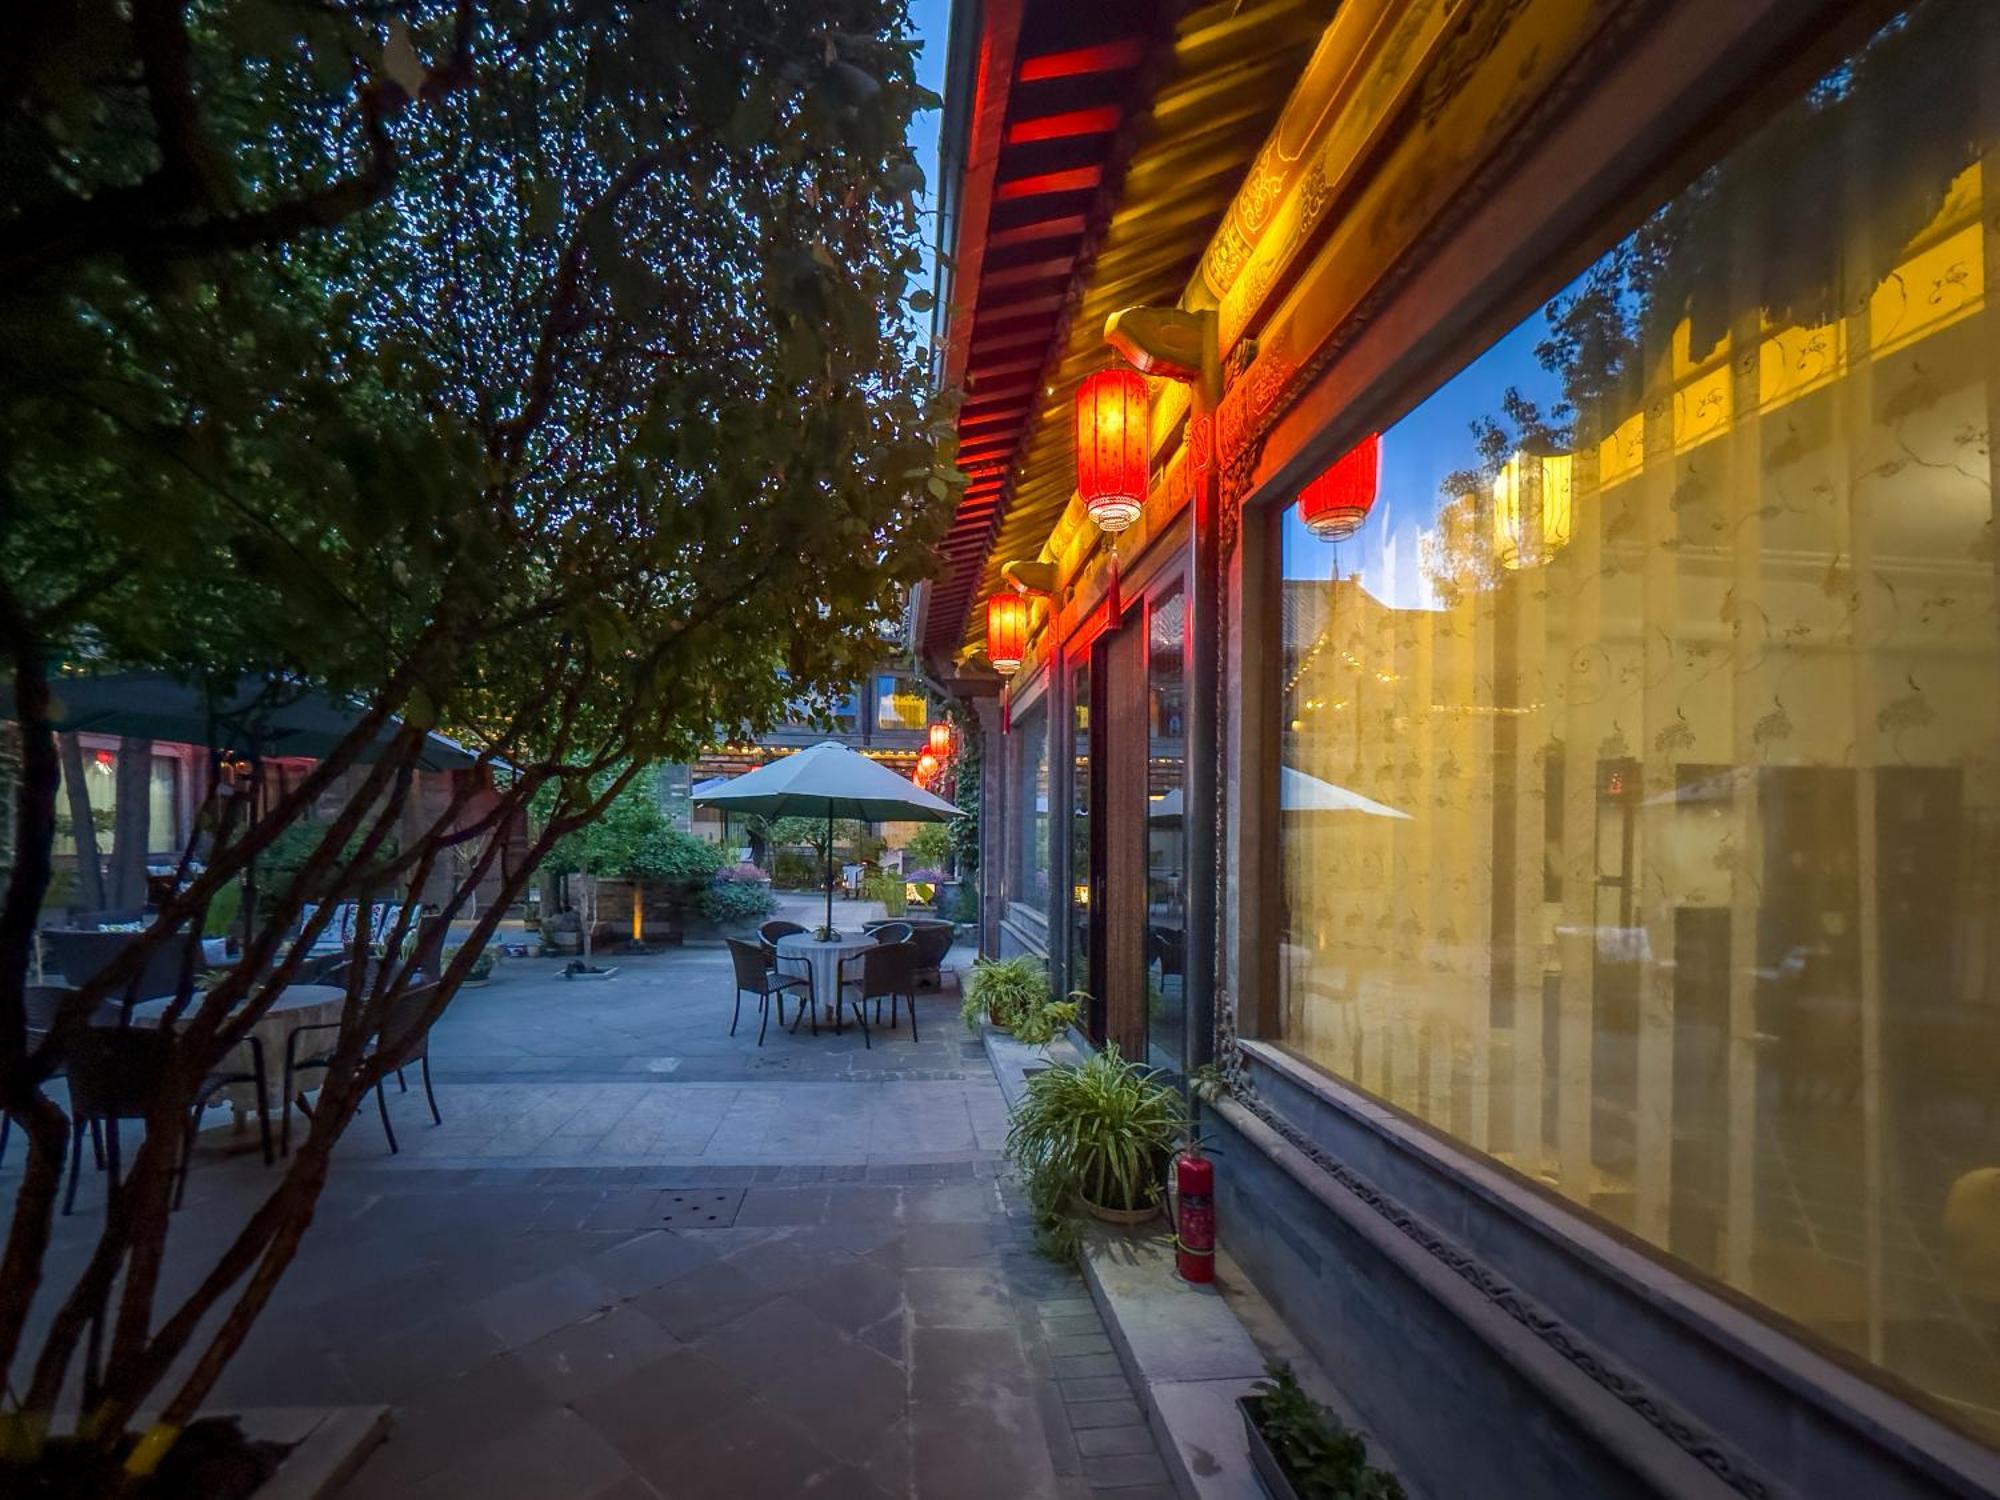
(828, 781)
(1298, 792)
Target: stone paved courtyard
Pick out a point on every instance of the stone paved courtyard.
(643, 1258)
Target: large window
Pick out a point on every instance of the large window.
(1029, 846)
(900, 704)
(1640, 786)
(1166, 833)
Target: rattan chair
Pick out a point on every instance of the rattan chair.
(405, 1038)
(757, 975)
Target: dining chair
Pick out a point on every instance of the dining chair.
(892, 932)
(756, 976)
(933, 943)
(404, 1038)
(43, 1005)
(115, 1075)
(882, 971)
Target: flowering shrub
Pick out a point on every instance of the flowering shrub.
(732, 900)
(745, 872)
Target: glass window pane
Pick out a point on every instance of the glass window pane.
(1081, 875)
(900, 704)
(1166, 833)
(1640, 799)
(1029, 885)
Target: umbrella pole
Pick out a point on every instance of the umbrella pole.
(829, 874)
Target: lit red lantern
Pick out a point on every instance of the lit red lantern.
(927, 768)
(1111, 447)
(1334, 505)
(941, 740)
(1006, 632)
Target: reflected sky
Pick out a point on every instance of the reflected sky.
(1417, 453)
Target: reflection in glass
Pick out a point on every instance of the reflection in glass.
(1641, 803)
(900, 703)
(1166, 834)
(1080, 872)
(1029, 886)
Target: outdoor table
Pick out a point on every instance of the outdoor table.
(297, 1005)
(820, 962)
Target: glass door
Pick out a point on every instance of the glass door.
(1085, 868)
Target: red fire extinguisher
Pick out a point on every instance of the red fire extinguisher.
(1194, 1229)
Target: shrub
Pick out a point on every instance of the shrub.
(1003, 989)
(1321, 1457)
(1046, 1018)
(930, 845)
(888, 889)
(745, 872)
(1100, 1130)
(728, 902)
(793, 871)
(675, 859)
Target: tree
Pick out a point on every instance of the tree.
(537, 371)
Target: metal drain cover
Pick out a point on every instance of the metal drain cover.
(700, 1208)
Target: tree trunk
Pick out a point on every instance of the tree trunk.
(89, 870)
(132, 824)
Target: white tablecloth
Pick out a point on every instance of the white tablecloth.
(802, 953)
(297, 1005)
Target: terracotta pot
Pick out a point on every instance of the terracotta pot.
(1124, 1216)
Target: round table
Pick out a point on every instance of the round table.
(297, 1005)
(820, 961)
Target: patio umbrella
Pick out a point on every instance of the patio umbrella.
(828, 781)
(1298, 792)
(251, 717)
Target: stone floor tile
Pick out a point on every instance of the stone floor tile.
(854, 1296)
(957, 1297)
(703, 1299)
(1096, 1388)
(1125, 1470)
(1117, 1413)
(649, 1410)
(576, 1360)
(772, 1342)
(992, 1450)
(541, 1304)
(646, 1261)
(1113, 1442)
(557, 1456)
(750, 1451)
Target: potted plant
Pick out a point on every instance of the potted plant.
(563, 932)
(1044, 1018)
(998, 990)
(1302, 1451)
(1099, 1133)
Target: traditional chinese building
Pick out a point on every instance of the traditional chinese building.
(1517, 686)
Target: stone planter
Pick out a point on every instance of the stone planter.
(1270, 1473)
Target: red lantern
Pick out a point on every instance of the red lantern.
(1111, 447)
(1006, 632)
(941, 740)
(1334, 505)
(927, 767)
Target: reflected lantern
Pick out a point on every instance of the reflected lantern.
(1334, 505)
(1111, 447)
(941, 739)
(1006, 632)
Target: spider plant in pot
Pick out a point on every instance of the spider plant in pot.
(1099, 1133)
(1002, 989)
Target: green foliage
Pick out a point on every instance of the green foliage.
(632, 840)
(792, 871)
(1002, 989)
(811, 832)
(1101, 1130)
(295, 846)
(888, 889)
(930, 847)
(1323, 1460)
(730, 902)
(1044, 1019)
(965, 789)
(223, 910)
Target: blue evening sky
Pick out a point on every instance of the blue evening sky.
(931, 21)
